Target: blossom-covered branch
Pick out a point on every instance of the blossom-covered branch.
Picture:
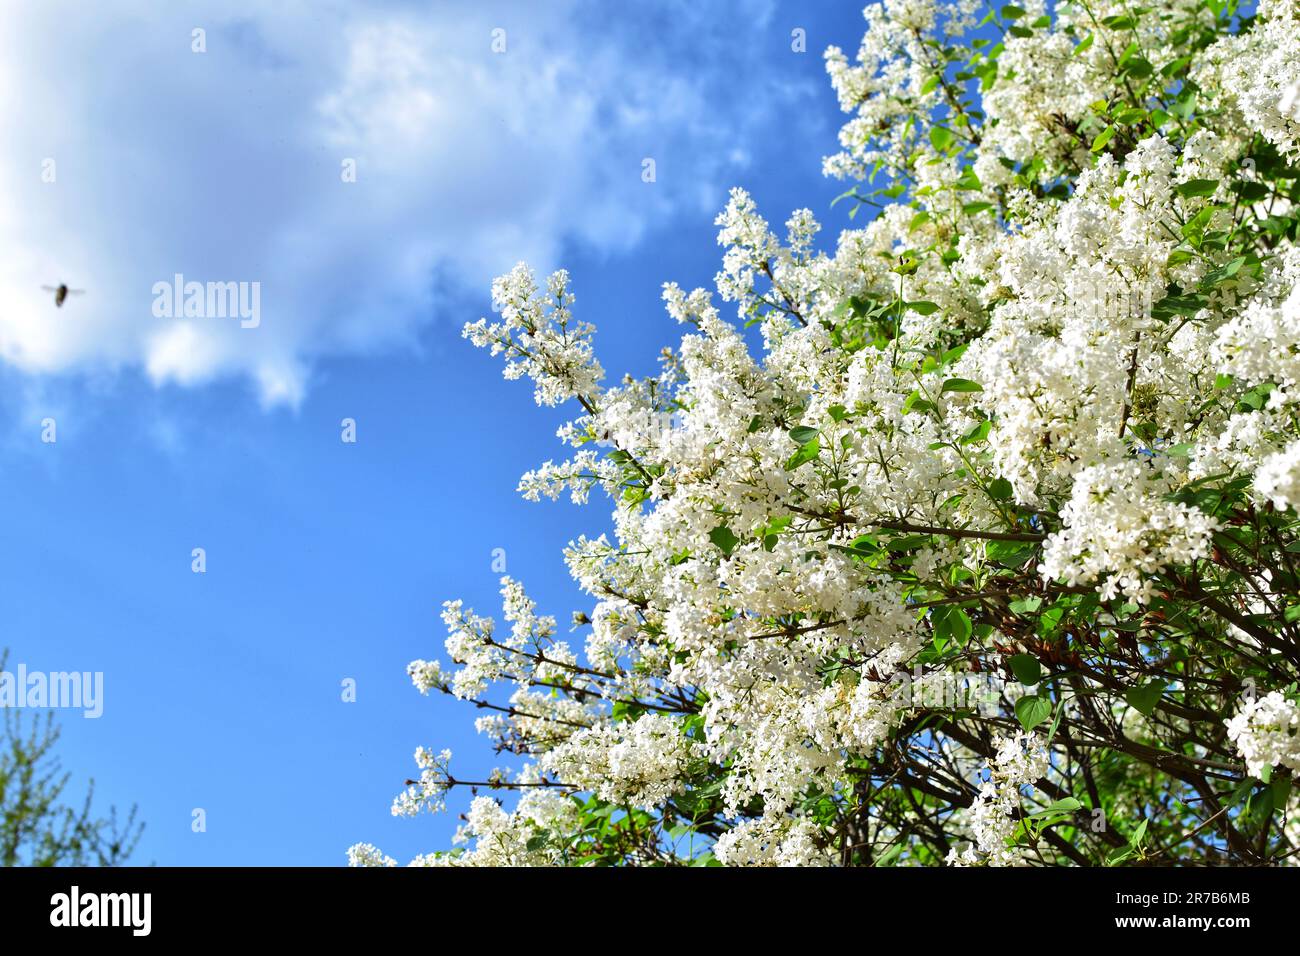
(991, 554)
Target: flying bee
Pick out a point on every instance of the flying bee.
(61, 292)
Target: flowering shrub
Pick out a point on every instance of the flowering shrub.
(1033, 427)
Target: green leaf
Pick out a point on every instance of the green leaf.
(977, 434)
(1102, 139)
(1197, 187)
(907, 265)
(1225, 271)
(1000, 489)
(915, 403)
(941, 137)
(802, 434)
(1032, 710)
(1026, 668)
(951, 624)
(1050, 620)
(1013, 12)
(887, 858)
(1066, 805)
(1281, 790)
(1172, 305)
(1009, 554)
(725, 540)
(1119, 856)
(1144, 699)
(807, 452)
(975, 208)
(1239, 793)
(1138, 68)
(1056, 722)
(864, 548)
(924, 308)
(961, 385)
(1194, 230)
(1136, 839)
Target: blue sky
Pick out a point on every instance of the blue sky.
(328, 560)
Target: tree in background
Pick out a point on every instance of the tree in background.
(992, 557)
(36, 827)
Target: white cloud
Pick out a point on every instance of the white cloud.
(225, 165)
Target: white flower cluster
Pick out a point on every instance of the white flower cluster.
(639, 762)
(1259, 73)
(521, 837)
(1266, 732)
(991, 375)
(579, 475)
(364, 854)
(427, 676)
(1277, 479)
(773, 842)
(889, 83)
(1118, 528)
(1018, 762)
(538, 337)
(526, 836)
(429, 792)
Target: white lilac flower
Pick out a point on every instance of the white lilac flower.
(986, 355)
(1266, 732)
